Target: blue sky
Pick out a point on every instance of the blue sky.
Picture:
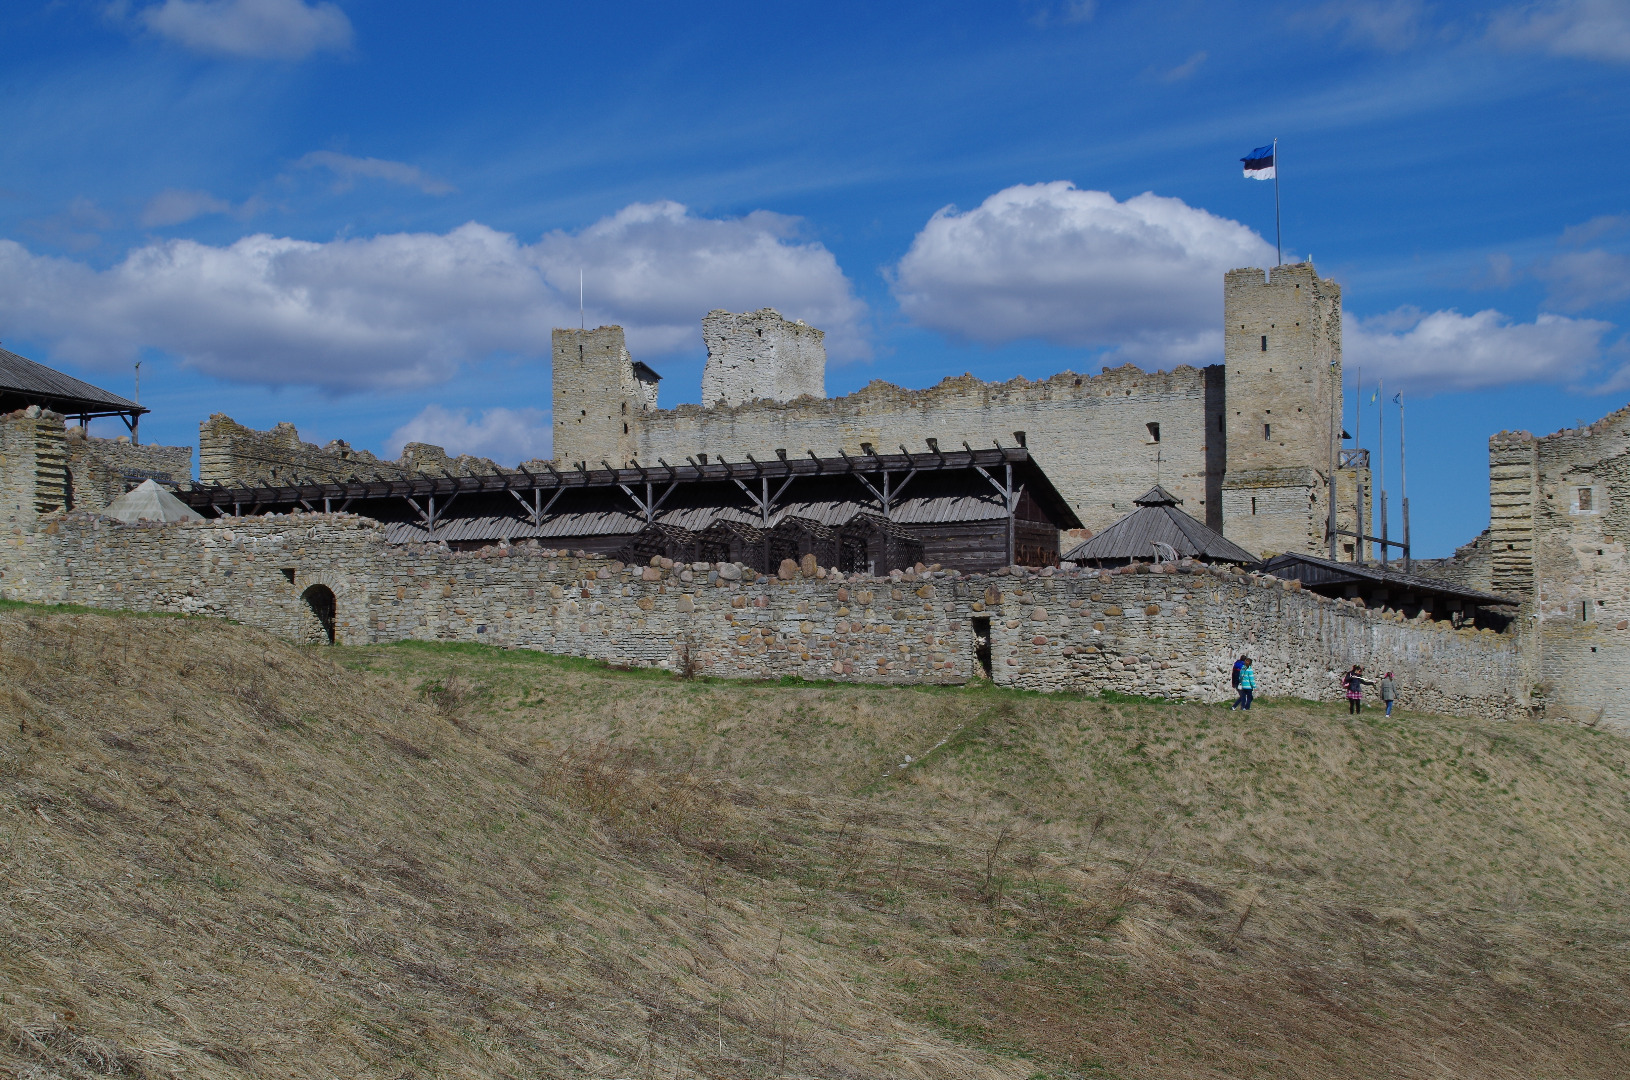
(365, 216)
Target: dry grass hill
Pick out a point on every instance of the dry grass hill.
(224, 856)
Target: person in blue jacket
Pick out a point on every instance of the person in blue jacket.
(1247, 685)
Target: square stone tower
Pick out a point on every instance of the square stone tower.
(1282, 351)
(601, 395)
(761, 356)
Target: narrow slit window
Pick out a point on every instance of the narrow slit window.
(1267, 431)
(1264, 342)
(1154, 431)
(1253, 505)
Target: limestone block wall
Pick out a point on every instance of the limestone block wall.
(600, 397)
(33, 464)
(1580, 568)
(1171, 634)
(230, 453)
(101, 470)
(760, 355)
(1282, 353)
(1092, 434)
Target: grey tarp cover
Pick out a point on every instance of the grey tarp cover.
(150, 502)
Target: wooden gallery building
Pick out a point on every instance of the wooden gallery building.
(969, 510)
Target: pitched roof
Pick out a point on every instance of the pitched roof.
(36, 384)
(149, 502)
(1157, 520)
(1315, 571)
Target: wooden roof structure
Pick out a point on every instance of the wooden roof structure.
(24, 382)
(1158, 528)
(1335, 578)
(1003, 484)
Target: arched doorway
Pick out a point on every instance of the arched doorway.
(320, 599)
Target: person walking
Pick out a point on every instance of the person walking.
(1389, 691)
(1354, 683)
(1247, 685)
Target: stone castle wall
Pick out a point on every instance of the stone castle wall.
(760, 355)
(1171, 634)
(1091, 434)
(101, 470)
(232, 454)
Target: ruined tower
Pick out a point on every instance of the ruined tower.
(601, 395)
(761, 356)
(1282, 351)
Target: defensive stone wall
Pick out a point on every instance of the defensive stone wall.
(230, 453)
(760, 355)
(1103, 440)
(101, 470)
(1172, 634)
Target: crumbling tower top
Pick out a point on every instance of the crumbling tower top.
(761, 356)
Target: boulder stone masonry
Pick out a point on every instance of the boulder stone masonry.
(1167, 634)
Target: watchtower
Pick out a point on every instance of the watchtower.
(601, 395)
(1282, 351)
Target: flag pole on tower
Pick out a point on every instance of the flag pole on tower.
(1263, 164)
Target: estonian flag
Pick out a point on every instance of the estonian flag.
(1259, 163)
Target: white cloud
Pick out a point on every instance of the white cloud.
(1592, 29)
(506, 436)
(407, 309)
(173, 206)
(672, 267)
(348, 169)
(1392, 25)
(1076, 267)
(1184, 70)
(1445, 350)
(1586, 279)
(271, 29)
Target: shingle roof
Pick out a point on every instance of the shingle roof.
(37, 384)
(1157, 520)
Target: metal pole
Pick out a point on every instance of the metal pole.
(1358, 540)
(135, 420)
(1403, 487)
(1279, 251)
(1381, 462)
(1335, 438)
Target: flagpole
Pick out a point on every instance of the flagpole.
(1279, 250)
(1381, 459)
(1403, 488)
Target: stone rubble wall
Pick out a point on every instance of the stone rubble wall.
(1090, 433)
(1171, 634)
(761, 356)
(101, 470)
(230, 453)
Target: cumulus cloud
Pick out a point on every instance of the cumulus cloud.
(407, 309)
(269, 29)
(1075, 267)
(348, 170)
(1591, 29)
(1445, 350)
(507, 436)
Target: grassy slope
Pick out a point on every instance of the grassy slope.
(229, 855)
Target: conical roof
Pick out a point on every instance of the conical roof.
(1157, 520)
(149, 502)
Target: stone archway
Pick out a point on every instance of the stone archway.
(320, 602)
